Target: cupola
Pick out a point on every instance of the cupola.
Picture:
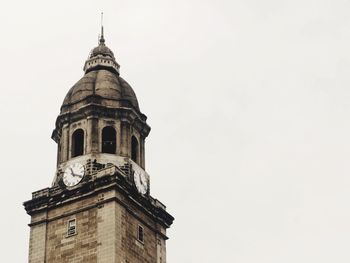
(101, 57)
(100, 120)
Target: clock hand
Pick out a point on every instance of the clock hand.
(77, 175)
(72, 172)
(80, 176)
(144, 182)
(140, 181)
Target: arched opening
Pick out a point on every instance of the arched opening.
(78, 143)
(109, 144)
(134, 149)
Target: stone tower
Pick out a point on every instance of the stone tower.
(99, 208)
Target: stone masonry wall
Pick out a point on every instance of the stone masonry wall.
(37, 243)
(106, 230)
(106, 233)
(129, 248)
(81, 247)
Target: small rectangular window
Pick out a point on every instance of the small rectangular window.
(72, 227)
(140, 234)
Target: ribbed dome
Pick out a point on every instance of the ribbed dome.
(101, 50)
(109, 89)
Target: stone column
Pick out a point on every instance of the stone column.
(92, 136)
(142, 153)
(125, 139)
(65, 143)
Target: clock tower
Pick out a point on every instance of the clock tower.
(99, 208)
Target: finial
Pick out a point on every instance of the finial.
(102, 39)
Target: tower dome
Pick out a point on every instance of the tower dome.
(103, 87)
(101, 83)
(101, 57)
(100, 118)
(101, 49)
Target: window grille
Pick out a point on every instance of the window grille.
(72, 227)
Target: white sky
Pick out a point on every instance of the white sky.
(248, 103)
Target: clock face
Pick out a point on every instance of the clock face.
(140, 181)
(73, 174)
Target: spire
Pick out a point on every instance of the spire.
(102, 39)
(101, 56)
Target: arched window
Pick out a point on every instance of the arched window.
(134, 149)
(109, 144)
(78, 143)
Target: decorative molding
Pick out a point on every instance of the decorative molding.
(55, 197)
(95, 110)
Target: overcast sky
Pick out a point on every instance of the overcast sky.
(248, 103)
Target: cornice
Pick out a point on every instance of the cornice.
(138, 120)
(51, 198)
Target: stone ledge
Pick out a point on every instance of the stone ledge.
(56, 197)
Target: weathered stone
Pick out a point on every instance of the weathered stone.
(107, 208)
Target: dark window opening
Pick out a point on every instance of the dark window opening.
(140, 234)
(134, 149)
(109, 140)
(78, 143)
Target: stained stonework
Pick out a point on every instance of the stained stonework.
(108, 212)
(37, 243)
(110, 200)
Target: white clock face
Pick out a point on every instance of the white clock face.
(140, 181)
(73, 174)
